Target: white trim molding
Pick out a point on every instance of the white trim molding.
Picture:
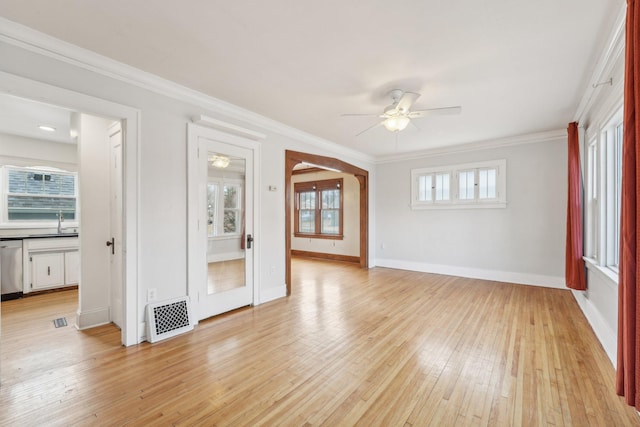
(531, 138)
(607, 336)
(92, 318)
(476, 273)
(43, 44)
(272, 294)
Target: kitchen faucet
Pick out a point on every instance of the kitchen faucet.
(60, 221)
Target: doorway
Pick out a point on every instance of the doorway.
(292, 158)
(221, 221)
(93, 300)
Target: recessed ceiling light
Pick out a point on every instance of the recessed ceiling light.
(47, 128)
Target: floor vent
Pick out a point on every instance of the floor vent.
(60, 322)
(168, 318)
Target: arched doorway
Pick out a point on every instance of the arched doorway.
(292, 158)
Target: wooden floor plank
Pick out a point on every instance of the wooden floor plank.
(350, 347)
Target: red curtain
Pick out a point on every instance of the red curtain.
(628, 378)
(574, 264)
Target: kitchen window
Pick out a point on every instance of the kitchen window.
(38, 194)
(318, 209)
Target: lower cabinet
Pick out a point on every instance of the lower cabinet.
(71, 268)
(50, 263)
(47, 271)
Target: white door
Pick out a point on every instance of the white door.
(221, 201)
(115, 245)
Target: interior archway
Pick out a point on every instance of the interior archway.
(292, 158)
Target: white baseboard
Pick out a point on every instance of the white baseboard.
(92, 318)
(142, 328)
(607, 337)
(271, 294)
(476, 273)
(227, 256)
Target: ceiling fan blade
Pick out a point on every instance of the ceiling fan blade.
(370, 127)
(406, 101)
(435, 111)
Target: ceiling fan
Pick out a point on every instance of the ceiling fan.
(398, 115)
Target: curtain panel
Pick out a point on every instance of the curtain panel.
(574, 264)
(628, 376)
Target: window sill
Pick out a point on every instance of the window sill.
(436, 206)
(319, 236)
(610, 276)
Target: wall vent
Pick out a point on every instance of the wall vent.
(168, 318)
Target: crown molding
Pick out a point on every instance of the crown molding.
(604, 67)
(531, 138)
(43, 44)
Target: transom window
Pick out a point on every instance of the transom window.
(318, 209)
(458, 186)
(38, 195)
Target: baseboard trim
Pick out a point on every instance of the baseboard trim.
(227, 256)
(606, 336)
(92, 318)
(321, 255)
(271, 294)
(476, 273)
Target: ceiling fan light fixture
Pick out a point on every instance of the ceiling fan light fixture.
(220, 161)
(396, 123)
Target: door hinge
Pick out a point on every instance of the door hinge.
(30, 259)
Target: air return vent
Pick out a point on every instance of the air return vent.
(168, 318)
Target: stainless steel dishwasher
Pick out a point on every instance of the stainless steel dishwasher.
(11, 284)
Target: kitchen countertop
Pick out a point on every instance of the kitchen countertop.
(37, 236)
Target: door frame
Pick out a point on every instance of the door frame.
(292, 158)
(195, 131)
(131, 332)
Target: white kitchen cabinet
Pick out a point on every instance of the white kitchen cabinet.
(71, 268)
(50, 263)
(47, 271)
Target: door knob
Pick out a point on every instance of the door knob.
(112, 243)
(249, 241)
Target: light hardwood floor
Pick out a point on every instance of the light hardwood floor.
(349, 347)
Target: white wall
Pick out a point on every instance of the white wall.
(522, 243)
(350, 245)
(22, 151)
(162, 237)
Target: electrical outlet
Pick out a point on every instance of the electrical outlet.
(152, 294)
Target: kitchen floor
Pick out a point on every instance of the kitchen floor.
(31, 345)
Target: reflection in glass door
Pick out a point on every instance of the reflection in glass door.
(226, 179)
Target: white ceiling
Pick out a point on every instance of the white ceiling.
(515, 67)
(23, 117)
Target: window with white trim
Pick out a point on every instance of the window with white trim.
(38, 195)
(604, 180)
(224, 208)
(480, 185)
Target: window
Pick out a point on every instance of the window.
(33, 194)
(604, 181)
(592, 205)
(224, 209)
(461, 186)
(318, 209)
